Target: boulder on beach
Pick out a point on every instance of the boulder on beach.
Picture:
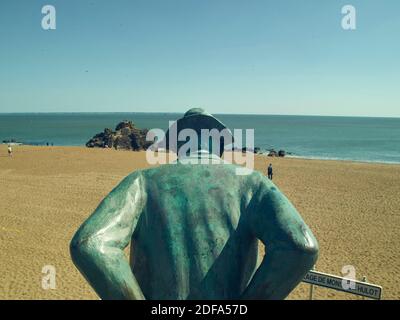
(11, 141)
(281, 153)
(256, 150)
(272, 153)
(126, 136)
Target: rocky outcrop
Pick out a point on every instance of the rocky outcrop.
(126, 136)
(280, 153)
(272, 153)
(256, 150)
(11, 141)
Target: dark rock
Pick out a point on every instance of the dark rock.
(108, 131)
(272, 153)
(126, 136)
(123, 142)
(10, 141)
(124, 124)
(282, 153)
(256, 150)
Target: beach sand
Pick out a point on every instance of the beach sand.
(47, 192)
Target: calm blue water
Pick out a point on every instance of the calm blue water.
(345, 138)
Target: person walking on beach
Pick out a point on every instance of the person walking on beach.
(270, 171)
(10, 152)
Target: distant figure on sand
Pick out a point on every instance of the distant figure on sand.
(10, 152)
(270, 173)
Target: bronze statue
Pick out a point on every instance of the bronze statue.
(194, 231)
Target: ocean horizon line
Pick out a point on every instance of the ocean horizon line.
(322, 158)
(179, 113)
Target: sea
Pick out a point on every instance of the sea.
(362, 139)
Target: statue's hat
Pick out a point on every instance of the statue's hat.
(197, 119)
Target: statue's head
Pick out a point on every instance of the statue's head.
(199, 130)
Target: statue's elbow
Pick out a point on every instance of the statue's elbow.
(304, 248)
(310, 250)
(81, 248)
(75, 248)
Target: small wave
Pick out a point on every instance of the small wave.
(342, 159)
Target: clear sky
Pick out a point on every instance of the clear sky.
(227, 56)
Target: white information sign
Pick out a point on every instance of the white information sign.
(343, 284)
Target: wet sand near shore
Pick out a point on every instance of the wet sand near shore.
(47, 192)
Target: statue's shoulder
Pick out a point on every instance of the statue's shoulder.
(151, 173)
(257, 183)
(251, 178)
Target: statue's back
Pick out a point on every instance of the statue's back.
(191, 240)
(194, 228)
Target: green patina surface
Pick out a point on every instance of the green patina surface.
(194, 231)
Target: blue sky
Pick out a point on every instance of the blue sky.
(227, 56)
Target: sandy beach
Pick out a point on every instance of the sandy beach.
(47, 192)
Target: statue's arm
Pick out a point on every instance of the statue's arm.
(97, 247)
(291, 248)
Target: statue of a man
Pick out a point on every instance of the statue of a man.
(194, 231)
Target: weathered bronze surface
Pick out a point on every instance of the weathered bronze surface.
(194, 231)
